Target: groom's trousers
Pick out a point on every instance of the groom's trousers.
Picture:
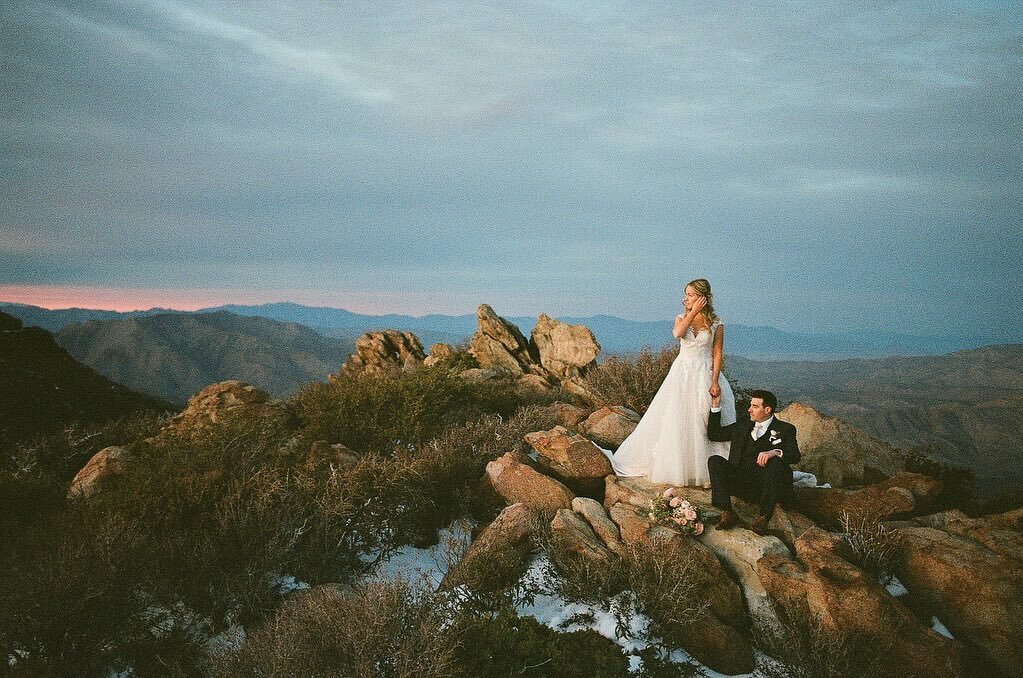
(762, 484)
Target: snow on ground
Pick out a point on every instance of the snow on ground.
(896, 587)
(557, 613)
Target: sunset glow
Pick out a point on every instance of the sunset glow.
(192, 299)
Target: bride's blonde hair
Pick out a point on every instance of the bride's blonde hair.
(702, 287)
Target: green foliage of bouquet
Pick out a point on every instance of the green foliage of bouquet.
(677, 513)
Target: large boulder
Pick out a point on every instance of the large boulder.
(564, 350)
(836, 452)
(568, 415)
(739, 550)
(224, 400)
(854, 611)
(610, 426)
(514, 479)
(381, 352)
(902, 496)
(499, 556)
(439, 353)
(970, 573)
(594, 514)
(572, 535)
(573, 459)
(498, 344)
(100, 473)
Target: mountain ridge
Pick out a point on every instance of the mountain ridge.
(616, 335)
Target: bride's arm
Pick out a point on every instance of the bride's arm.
(682, 322)
(717, 358)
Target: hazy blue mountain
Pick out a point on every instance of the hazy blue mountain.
(176, 355)
(616, 335)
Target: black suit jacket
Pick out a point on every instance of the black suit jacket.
(744, 450)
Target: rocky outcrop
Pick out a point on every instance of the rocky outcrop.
(836, 452)
(904, 495)
(498, 557)
(439, 353)
(610, 426)
(823, 588)
(564, 350)
(570, 457)
(499, 345)
(969, 572)
(515, 480)
(557, 354)
(219, 402)
(100, 473)
(380, 352)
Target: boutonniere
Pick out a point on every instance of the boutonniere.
(775, 438)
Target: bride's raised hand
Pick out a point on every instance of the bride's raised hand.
(698, 305)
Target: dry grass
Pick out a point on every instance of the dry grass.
(631, 380)
(873, 545)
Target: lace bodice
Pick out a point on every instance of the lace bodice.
(698, 346)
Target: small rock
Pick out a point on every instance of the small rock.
(515, 480)
(100, 473)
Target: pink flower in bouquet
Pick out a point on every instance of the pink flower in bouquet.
(685, 504)
(698, 529)
(690, 514)
(679, 520)
(675, 501)
(668, 492)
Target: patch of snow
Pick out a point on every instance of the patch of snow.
(804, 479)
(287, 583)
(413, 563)
(896, 587)
(940, 628)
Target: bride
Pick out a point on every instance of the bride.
(670, 444)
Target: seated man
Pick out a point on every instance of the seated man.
(758, 461)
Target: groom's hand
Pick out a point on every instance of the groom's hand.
(715, 400)
(764, 457)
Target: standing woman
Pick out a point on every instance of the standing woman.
(670, 444)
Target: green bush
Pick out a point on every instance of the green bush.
(377, 413)
(521, 646)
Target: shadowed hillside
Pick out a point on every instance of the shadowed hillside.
(176, 355)
(42, 388)
(961, 409)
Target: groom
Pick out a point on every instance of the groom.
(758, 461)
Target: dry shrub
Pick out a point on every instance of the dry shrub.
(375, 413)
(630, 380)
(391, 629)
(873, 546)
(807, 649)
(664, 576)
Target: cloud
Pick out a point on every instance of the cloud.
(587, 154)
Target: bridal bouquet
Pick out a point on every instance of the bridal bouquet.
(677, 513)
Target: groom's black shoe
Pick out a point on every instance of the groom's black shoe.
(728, 520)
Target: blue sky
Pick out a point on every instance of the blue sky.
(827, 166)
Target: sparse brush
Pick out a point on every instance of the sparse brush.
(873, 545)
(630, 380)
(393, 629)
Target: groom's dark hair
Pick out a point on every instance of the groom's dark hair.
(769, 399)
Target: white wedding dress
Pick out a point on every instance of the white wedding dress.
(670, 444)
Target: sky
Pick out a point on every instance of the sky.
(828, 166)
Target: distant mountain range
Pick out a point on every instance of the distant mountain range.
(177, 355)
(963, 408)
(42, 388)
(616, 335)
